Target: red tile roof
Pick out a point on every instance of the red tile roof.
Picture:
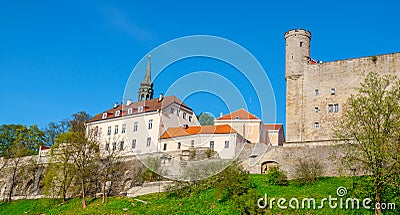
(148, 106)
(239, 114)
(272, 126)
(192, 130)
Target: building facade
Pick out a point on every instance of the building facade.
(316, 92)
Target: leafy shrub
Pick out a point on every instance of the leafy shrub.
(308, 171)
(275, 176)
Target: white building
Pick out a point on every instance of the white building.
(222, 139)
(135, 127)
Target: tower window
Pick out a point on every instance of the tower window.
(172, 110)
(316, 109)
(190, 118)
(184, 115)
(330, 108)
(316, 124)
(301, 44)
(177, 112)
(179, 145)
(165, 146)
(333, 91)
(336, 108)
(316, 92)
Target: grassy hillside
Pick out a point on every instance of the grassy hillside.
(204, 202)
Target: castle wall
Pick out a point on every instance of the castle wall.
(316, 93)
(344, 77)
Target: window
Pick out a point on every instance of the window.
(184, 115)
(330, 108)
(190, 118)
(316, 92)
(148, 142)
(236, 117)
(109, 130)
(121, 146)
(316, 109)
(107, 146)
(177, 112)
(114, 146)
(123, 128)
(336, 108)
(316, 124)
(192, 143)
(133, 143)
(212, 145)
(140, 109)
(226, 144)
(116, 129)
(130, 111)
(172, 110)
(104, 116)
(135, 126)
(150, 124)
(165, 146)
(117, 113)
(333, 91)
(179, 145)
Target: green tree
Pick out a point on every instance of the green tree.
(370, 129)
(53, 129)
(206, 119)
(77, 123)
(17, 142)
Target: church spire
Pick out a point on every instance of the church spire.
(146, 86)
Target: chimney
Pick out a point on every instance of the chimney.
(115, 104)
(128, 102)
(161, 97)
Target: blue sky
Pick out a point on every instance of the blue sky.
(58, 58)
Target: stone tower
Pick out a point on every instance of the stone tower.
(146, 86)
(297, 58)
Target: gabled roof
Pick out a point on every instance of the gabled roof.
(274, 127)
(239, 114)
(147, 105)
(192, 130)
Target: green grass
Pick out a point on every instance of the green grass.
(205, 202)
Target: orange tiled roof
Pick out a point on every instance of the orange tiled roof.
(272, 126)
(148, 106)
(191, 130)
(239, 114)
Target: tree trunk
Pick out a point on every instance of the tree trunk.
(104, 192)
(83, 193)
(12, 183)
(378, 210)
